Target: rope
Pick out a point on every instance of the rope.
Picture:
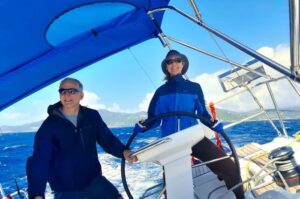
(256, 175)
(297, 135)
(222, 51)
(142, 68)
(296, 138)
(214, 116)
(247, 186)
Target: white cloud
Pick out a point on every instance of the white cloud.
(210, 86)
(267, 51)
(115, 108)
(91, 100)
(284, 94)
(12, 118)
(143, 106)
(245, 102)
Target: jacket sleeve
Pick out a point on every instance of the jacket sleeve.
(107, 140)
(201, 109)
(153, 111)
(37, 167)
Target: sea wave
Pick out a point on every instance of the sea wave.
(139, 176)
(13, 147)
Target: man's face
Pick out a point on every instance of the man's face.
(70, 94)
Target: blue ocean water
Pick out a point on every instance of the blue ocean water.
(15, 148)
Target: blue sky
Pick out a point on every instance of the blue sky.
(126, 81)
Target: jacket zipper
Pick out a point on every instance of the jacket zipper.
(78, 130)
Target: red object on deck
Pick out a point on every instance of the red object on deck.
(8, 197)
(214, 116)
(194, 160)
(213, 111)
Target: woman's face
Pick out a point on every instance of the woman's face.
(174, 65)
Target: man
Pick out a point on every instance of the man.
(65, 153)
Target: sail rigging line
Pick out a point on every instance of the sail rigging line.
(223, 52)
(218, 57)
(142, 68)
(200, 22)
(273, 64)
(221, 49)
(198, 18)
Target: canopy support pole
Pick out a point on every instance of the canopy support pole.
(294, 35)
(278, 67)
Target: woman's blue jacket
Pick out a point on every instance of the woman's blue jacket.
(178, 95)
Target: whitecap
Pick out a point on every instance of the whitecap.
(140, 176)
(13, 147)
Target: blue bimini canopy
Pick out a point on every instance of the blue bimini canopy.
(43, 41)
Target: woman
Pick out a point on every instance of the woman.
(179, 94)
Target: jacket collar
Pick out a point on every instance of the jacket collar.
(55, 110)
(176, 78)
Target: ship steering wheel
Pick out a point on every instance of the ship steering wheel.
(159, 117)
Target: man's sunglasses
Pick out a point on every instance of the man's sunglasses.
(63, 91)
(171, 61)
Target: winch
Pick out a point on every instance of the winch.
(288, 172)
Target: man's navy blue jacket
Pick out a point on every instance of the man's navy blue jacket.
(178, 95)
(65, 155)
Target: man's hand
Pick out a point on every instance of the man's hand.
(126, 154)
(38, 197)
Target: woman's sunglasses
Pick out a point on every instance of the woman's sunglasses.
(171, 61)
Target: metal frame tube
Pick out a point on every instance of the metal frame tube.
(276, 109)
(196, 10)
(292, 75)
(294, 35)
(294, 86)
(217, 57)
(230, 96)
(161, 35)
(278, 67)
(212, 161)
(243, 120)
(267, 115)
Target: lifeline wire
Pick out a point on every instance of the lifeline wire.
(140, 65)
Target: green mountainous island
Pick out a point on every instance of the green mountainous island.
(117, 119)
